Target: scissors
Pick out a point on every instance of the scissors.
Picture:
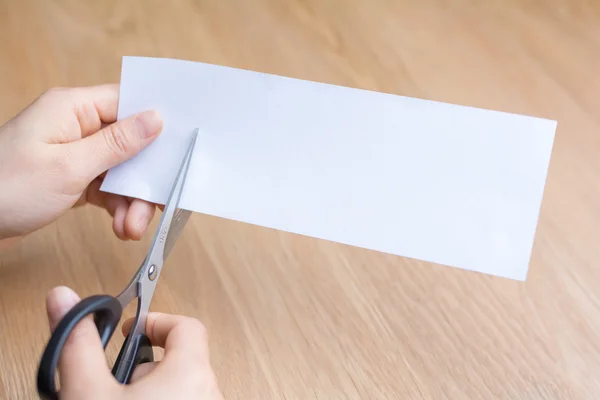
(107, 310)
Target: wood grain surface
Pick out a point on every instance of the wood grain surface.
(291, 317)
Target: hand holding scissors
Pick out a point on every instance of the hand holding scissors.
(107, 310)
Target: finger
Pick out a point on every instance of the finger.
(138, 217)
(184, 339)
(115, 143)
(108, 201)
(142, 370)
(95, 106)
(130, 218)
(186, 364)
(119, 218)
(87, 108)
(82, 361)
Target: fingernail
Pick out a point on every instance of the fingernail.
(148, 123)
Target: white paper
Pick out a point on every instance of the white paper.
(448, 184)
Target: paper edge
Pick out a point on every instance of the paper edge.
(421, 99)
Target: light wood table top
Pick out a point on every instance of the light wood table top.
(298, 318)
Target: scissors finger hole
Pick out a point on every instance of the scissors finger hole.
(107, 313)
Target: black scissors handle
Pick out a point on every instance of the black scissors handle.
(142, 354)
(107, 311)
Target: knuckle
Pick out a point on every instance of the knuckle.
(55, 93)
(53, 102)
(116, 139)
(194, 325)
(87, 116)
(205, 382)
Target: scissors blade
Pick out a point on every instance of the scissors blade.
(179, 221)
(144, 283)
(171, 225)
(173, 218)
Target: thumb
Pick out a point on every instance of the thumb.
(116, 142)
(82, 361)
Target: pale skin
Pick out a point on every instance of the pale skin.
(53, 156)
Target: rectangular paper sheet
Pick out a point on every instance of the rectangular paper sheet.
(448, 184)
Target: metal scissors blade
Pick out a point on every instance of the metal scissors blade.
(172, 222)
(144, 283)
(173, 218)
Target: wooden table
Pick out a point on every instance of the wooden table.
(297, 318)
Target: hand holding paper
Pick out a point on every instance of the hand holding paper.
(53, 151)
(443, 183)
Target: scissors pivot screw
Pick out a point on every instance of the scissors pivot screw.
(152, 272)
